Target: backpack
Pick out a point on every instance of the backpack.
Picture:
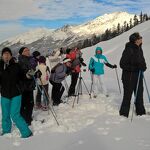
(53, 70)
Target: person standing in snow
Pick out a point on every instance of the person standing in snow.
(43, 82)
(131, 63)
(28, 65)
(58, 74)
(96, 66)
(76, 57)
(10, 77)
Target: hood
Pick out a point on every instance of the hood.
(97, 49)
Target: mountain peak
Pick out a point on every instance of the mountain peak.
(101, 23)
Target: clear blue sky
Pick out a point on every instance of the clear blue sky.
(17, 16)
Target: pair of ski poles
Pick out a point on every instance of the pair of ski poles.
(117, 81)
(48, 98)
(139, 76)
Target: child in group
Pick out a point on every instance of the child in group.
(96, 66)
(43, 84)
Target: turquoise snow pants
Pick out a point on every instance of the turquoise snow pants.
(11, 110)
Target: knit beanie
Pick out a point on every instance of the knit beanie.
(36, 54)
(21, 50)
(6, 49)
(42, 59)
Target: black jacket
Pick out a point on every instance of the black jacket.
(26, 64)
(10, 79)
(132, 59)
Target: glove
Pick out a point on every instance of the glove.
(83, 64)
(30, 73)
(114, 66)
(38, 74)
(92, 70)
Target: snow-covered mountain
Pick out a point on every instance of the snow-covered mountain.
(100, 24)
(42, 39)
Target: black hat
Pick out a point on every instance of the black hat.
(6, 49)
(21, 50)
(68, 50)
(42, 59)
(135, 36)
(36, 54)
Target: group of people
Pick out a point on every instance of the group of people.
(18, 80)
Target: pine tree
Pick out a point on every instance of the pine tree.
(130, 24)
(141, 17)
(118, 29)
(125, 25)
(127, 28)
(135, 20)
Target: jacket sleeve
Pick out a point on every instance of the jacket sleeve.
(91, 64)
(142, 63)
(109, 65)
(55, 57)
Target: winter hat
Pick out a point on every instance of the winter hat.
(68, 50)
(98, 48)
(21, 50)
(36, 54)
(42, 59)
(6, 49)
(135, 36)
(65, 60)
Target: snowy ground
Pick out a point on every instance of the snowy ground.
(92, 123)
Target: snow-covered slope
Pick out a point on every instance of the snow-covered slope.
(93, 123)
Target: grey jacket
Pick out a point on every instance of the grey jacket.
(59, 74)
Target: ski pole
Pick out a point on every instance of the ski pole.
(118, 80)
(53, 112)
(47, 97)
(146, 87)
(91, 84)
(136, 92)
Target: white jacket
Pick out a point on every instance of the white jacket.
(45, 74)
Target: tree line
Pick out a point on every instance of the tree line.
(113, 32)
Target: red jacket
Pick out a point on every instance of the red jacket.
(72, 55)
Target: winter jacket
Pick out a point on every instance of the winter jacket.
(26, 64)
(97, 63)
(74, 56)
(10, 79)
(132, 59)
(59, 74)
(45, 74)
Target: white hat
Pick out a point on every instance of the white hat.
(66, 60)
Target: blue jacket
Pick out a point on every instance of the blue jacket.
(97, 63)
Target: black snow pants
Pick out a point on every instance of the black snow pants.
(129, 80)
